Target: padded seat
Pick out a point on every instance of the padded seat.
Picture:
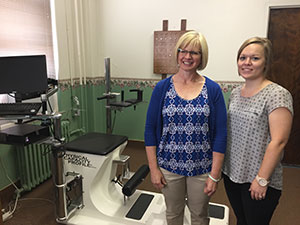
(96, 143)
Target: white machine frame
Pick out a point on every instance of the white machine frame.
(99, 199)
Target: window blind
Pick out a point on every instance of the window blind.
(25, 29)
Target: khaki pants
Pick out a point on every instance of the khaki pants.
(181, 191)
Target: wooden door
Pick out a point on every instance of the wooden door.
(284, 32)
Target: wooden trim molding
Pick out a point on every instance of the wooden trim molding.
(130, 82)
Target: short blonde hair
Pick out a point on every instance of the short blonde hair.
(196, 40)
(267, 47)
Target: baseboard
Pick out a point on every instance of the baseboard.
(287, 165)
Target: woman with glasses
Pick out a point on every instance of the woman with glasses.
(259, 122)
(185, 134)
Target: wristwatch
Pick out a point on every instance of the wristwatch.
(261, 181)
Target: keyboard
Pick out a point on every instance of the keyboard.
(26, 108)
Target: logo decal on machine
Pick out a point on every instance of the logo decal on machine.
(78, 160)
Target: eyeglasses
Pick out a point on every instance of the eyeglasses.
(192, 53)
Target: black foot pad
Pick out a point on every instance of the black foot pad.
(216, 211)
(140, 206)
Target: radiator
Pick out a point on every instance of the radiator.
(34, 165)
(34, 161)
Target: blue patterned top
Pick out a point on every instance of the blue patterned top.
(184, 148)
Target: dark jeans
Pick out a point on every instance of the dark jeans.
(246, 210)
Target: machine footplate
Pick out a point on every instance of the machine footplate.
(216, 211)
(140, 206)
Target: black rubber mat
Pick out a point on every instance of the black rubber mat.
(140, 206)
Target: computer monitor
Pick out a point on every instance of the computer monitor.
(23, 76)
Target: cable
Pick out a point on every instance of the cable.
(8, 214)
(15, 205)
(6, 174)
(49, 104)
(52, 131)
(114, 121)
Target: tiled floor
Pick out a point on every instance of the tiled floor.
(37, 207)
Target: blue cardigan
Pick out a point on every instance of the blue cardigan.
(217, 118)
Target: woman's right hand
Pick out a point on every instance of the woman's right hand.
(157, 178)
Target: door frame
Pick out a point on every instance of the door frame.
(269, 6)
(281, 6)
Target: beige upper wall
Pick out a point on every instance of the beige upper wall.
(89, 30)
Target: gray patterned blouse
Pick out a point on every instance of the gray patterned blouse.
(249, 135)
